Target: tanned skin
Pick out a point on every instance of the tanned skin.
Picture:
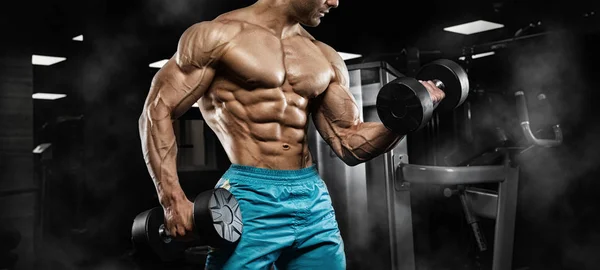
(257, 77)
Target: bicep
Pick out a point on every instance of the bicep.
(335, 113)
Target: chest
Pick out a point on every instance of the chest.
(262, 60)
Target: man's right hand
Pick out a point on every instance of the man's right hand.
(435, 93)
(179, 218)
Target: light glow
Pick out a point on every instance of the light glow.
(348, 56)
(473, 27)
(159, 64)
(44, 60)
(479, 55)
(48, 96)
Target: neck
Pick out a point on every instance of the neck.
(277, 16)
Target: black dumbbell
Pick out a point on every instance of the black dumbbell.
(404, 105)
(217, 221)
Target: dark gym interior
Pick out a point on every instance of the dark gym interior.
(73, 178)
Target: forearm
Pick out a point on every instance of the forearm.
(159, 148)
(365, 141)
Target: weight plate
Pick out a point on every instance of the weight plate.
(404, 105)
(455, 80)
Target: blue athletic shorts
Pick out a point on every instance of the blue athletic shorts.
(289, 222)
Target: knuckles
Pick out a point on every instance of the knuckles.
(436, 93)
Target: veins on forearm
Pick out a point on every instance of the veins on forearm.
(368, 140)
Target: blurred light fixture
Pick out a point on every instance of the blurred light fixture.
(348, 56)
(48, 96)
(159, 64)
(475, 56)
(78, 38)
(473, 27)
(44, 60)
(41, 148)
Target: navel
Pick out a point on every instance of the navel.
(286, 146)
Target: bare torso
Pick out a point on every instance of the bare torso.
(258, 102)
(257, 76)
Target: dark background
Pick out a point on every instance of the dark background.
(96, 181)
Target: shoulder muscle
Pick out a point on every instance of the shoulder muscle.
(204, 43)
(339, 67)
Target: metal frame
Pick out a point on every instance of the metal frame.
(507, 178)
(390, 175)
(380, 64)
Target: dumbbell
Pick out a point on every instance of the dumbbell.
(217, 220)
(404, 105)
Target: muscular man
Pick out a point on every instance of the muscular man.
(257, 76)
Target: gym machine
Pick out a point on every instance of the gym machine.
(379, 190)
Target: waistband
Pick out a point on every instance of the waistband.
(244, 173)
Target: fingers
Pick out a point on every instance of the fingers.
(180, 230)
(179, 220)
(431, 84)
(428, 87)
(179, 227)
(172, 230)
(190, 218)
(436, 94)
(177, 230)
(169, 224)
(440, 92)
(184, 231)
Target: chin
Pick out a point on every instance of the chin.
(312, 23)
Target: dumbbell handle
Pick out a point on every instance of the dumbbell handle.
(164, 234)
(439, 84)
